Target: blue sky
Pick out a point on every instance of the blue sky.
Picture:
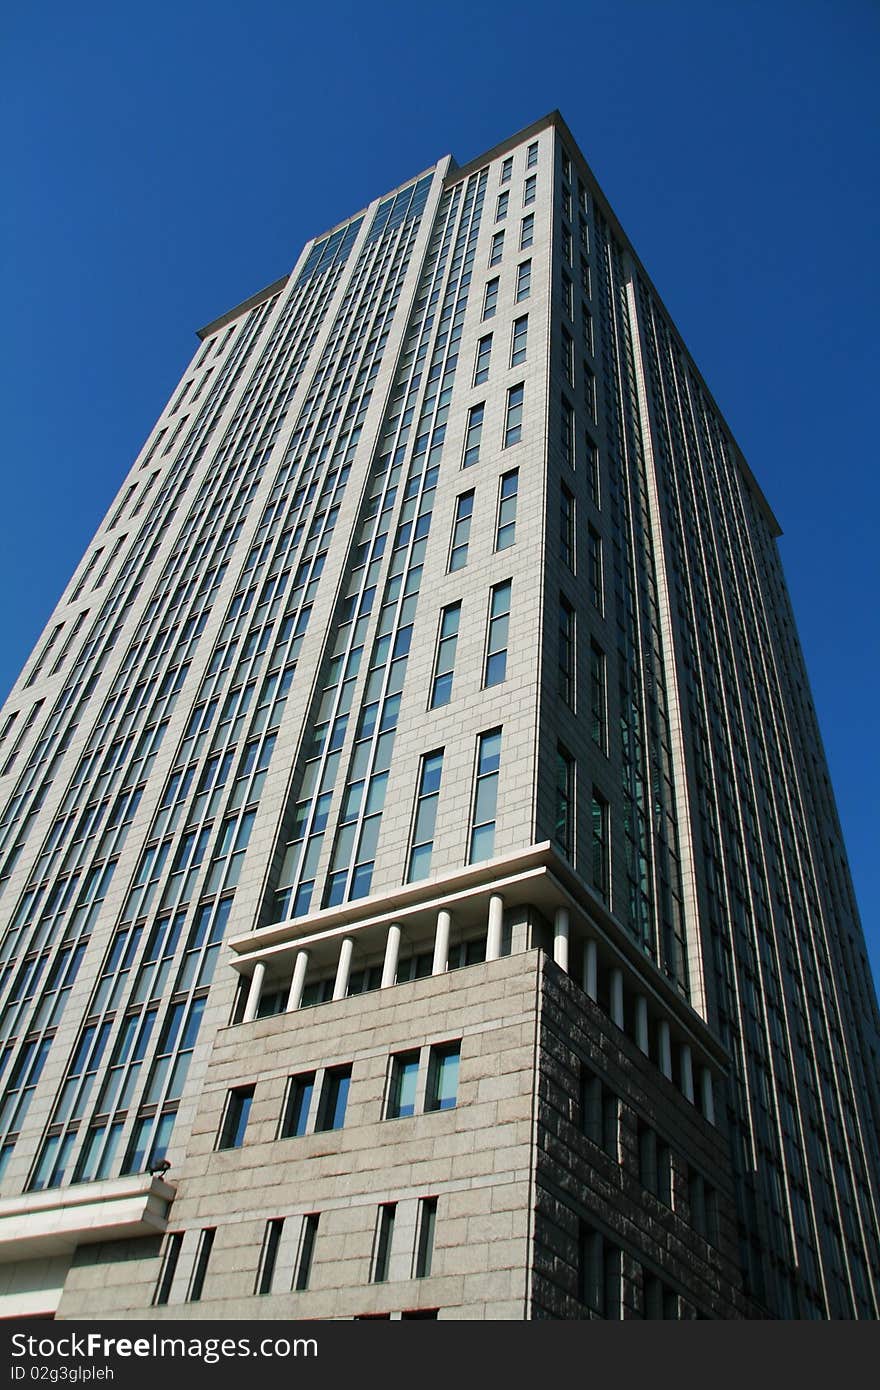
(163, 162)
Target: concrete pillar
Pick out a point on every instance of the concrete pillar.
(343, 969)
(256, 989)
(441, 943)
(642, 1024)
(560, 937)
(687, 1073)
(707, 1095)
(496, 923)
(392, 951)
(300, 966)
(616, 992)
(591, 969)
(664, 1042)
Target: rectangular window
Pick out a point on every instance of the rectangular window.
(295, 1119)
(485, 796)
(523, 280)
(567, 247)
(704, 1206)
(590, 391)
(566, 202)
(444, 665)
(425, 818)
(584, 234)
(598, 699)
(334, 1097)
(497, 248)
(564, 818)
(655, 1164)
(527, 231)
(461, 531)
(567, 434)
(505, 529)
(587, 320)
(490, 298)
(481, 366)
(568, 296)
(586, 283)
(425, 1239)
(593, 473)
(384, 1237)
(496, 641)
(566, 527)
(594, 568)
(659, 1300)
(568, 356)
(519, 340)
(507, 169)
(200, 1269)
(599, 816)
(501, 206)
(567, 657)
(566, 166)
(442, 1092)
(306, 1253)
(238, 1108)
(600, 1113)
(269, 1255)
(169, 1269)
(402, 1085)
(513, 415)
(473, 435)
(529, 190)
(532, 156)
(599, 1273)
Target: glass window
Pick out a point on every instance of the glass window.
(473, 435)
(567, 657)
(402, 1087)
(501, 206)
(567, 434)
(496, 644)
(485, 796)
(532, 155)
(497, 249)
(425, 1245)
(529, 189)
(599, 816)
(505, 530)
(568, 296)
(481, 366)
(384, 1236)
(587, 320)
(461, 530)
(442, 1091)
(564, 826)
(334, 1097)
(566, 527)
(238, 1108)
(507, 169)
(523, 281)
(425, 818)
(568, 356)
(169, 1268)
(594, 568)
(513, 415)
(519, 340)
(490, 298)
(527, 231)
(590, 391)
(598, 714)
(600, 1113)
(306, 1253)
(444, 665)
(593, 472)
(269, 1255)
(599, 1273)
(200, 1269)
(295, 1118)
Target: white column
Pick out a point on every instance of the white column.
(496, 923)
(616, 991)
(664, 1041)
(256, 989)
(392, 950)
(441, 943)
(343, 969)
(707, 1094)
(300, 966)
(591, 968)
(642, 1024)
(687, 1073)
(560, 937)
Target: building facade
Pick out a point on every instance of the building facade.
(422, 889)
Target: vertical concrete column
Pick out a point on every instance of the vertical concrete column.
(496, 923)
(343, 969)
(591, 969)
(300, 966)
(256, 989)
(441, 943)
(687, 1073)
(560, 937)
(392, 951)
(616, 992)
(707, 1094)
(642, 1024)
(664, 1042)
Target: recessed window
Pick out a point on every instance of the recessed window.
(530, 190)
(599, 816)
(527, 231)
(594, 568)
(444, 665)
(600, 1113)
(481, 366)
(599, 1273)
(384, 1237)
(513, 415)
(425, 819)
(507, 169)
(461, 530)
(497, 249)
(501, 206)
(519, 340)
(200, 1269)
(295, 1119)
(473, 435)
(425, 1239)
(523, 281)
(563, 831)
(485, 796)
(655, 1164)
(566, 527)
(269, 1255)
(590, 391)
(567, 658)
(238, 1109)
(568, 356)
(496, 641)
(402, 1085)
(532, 155)
(598, 709)
(490, 298)
(567, 432)
(505, 529)
(442, 1091)
(169, 1268)
(334, 1098)
(305, 1254)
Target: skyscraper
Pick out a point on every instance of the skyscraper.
(422, 889)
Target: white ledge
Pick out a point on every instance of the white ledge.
(40, 1224)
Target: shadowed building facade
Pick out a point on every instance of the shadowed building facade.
(422, 890)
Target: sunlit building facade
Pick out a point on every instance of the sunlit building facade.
(422, 891)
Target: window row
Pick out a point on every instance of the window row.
(522, 289)
(512, 425)
(518, 345)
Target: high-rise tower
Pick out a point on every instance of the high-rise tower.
(422, 888)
